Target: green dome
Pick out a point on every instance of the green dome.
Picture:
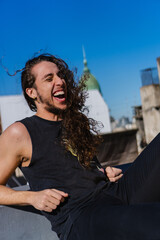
(91, 82)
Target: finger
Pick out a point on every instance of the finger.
(119, 176)
(113, 172)
(58, 195)
(109, 171)
(61, 192)
(53, 201)
(47, 209)
(51, 205)
(117, 170)
(115, 179)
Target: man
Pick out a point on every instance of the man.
(56, 151)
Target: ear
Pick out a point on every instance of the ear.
(31, 92)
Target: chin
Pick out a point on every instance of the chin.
(56, 110)
(62, 107)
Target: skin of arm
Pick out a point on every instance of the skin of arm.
(15, 145)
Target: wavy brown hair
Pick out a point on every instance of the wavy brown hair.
(79, 133)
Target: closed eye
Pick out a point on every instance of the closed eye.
(49, 79)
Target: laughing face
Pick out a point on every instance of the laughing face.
(49, 88)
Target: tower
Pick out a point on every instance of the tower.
(98, 109)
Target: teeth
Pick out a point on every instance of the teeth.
(58, 93)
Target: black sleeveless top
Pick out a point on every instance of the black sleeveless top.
(52, 166)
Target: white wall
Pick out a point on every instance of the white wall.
(13, 108)
(98, 109)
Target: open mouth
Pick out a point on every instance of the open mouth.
(59, 95)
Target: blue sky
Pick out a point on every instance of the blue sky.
(120, 38)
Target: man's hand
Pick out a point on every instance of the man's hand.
(114, 174)
(48, 200)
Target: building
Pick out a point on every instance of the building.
(139, 123)
(150, 98)
(12, 109)
(98, 108)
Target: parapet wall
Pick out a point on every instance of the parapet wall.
(24, 223)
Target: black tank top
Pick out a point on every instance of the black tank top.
(52, 166)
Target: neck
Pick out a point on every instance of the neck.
(48, 115)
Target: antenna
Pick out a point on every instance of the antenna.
(84, 54)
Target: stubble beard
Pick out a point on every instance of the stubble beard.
(51, 108)
(56, 111)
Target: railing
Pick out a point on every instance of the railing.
(149, 76)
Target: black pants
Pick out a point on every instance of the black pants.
(129, 209)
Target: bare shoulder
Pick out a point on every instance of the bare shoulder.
(17, 132)
(14, 147)
(15, 138)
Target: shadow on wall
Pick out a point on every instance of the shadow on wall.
(118, 148)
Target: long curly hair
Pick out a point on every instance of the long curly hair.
(79, 133)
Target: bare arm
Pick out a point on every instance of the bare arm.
(12, 149)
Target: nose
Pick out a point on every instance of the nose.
(58, 81)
